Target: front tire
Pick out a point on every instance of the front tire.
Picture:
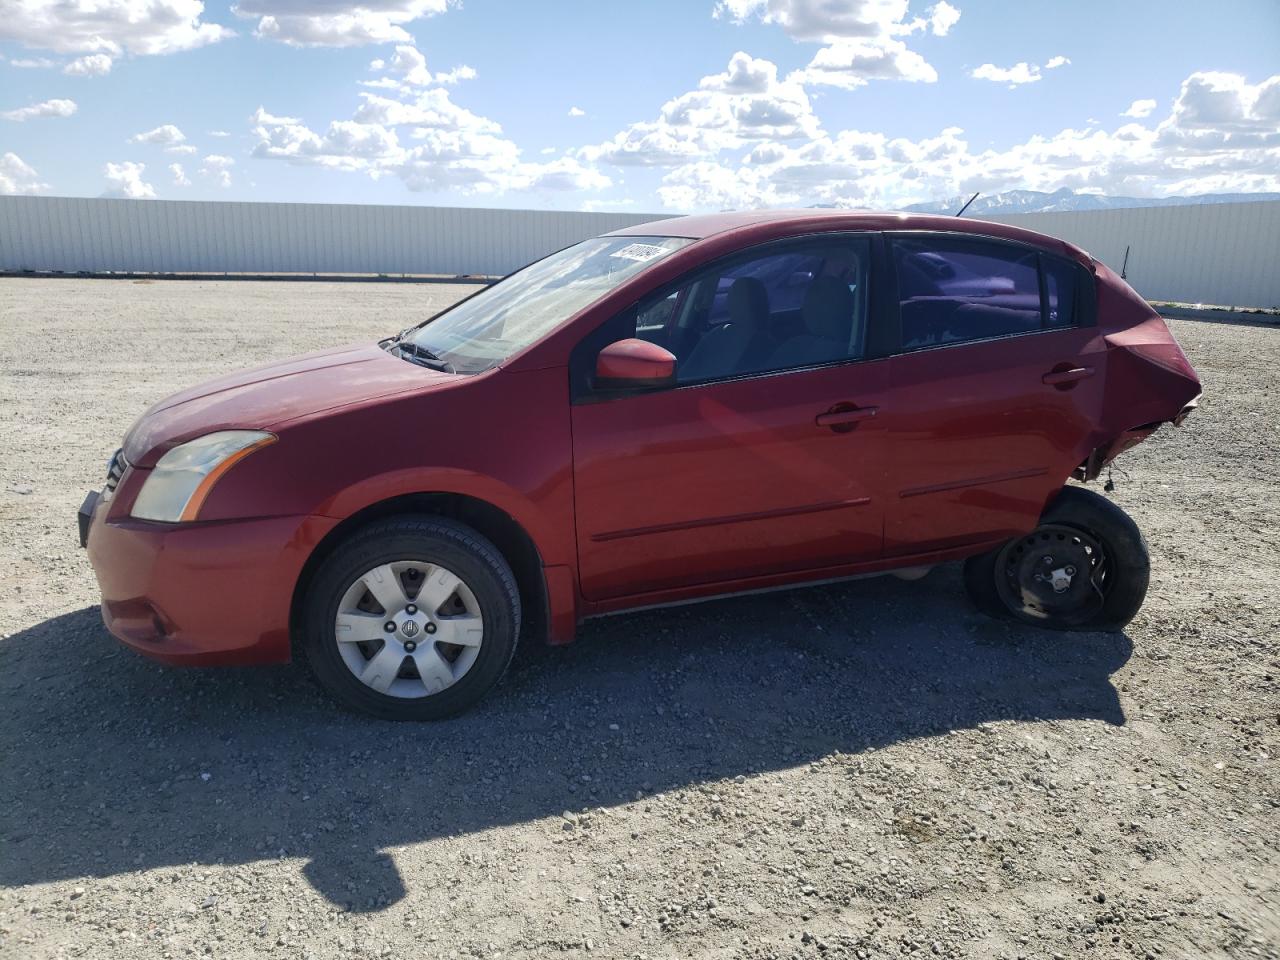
(411, 618)
(1084, 567)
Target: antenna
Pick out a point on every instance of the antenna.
(966, 205)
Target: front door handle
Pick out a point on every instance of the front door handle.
(1063, 377)
(843, 417)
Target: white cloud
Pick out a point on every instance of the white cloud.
(219, 133)
(459, 73)
(111, 27)
(337, 23)
(347, 145)
(125, 180)
(854, 63)
(406, 72)
(36, 63)
(744, 105)
(16, 177)
(407, 66)
(706, 184)
(432, 108)
(180, 148)
(1021, 72)
(180, 178)
(577, 112)
(1221, 135)
(90, 65)
(860, 37)
(217, 168)
(46, 108)
(827, 20)
(164, 135)
(448, 148)
(1139, 109)
(1217, 113)
(942, 17)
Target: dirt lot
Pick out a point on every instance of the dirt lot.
(866, 770)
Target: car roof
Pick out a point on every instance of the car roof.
(766, 224)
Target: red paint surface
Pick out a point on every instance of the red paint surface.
(635, 360)
(647, 498)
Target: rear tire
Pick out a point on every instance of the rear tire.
(1084, 567)
(395, 661)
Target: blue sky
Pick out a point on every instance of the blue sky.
(676, 104)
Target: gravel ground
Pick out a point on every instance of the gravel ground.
(864, 770)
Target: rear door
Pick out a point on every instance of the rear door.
(995, 392)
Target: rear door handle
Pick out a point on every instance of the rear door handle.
(1057, 378)
(847, 417)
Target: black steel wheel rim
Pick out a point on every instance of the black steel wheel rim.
(1056, 573)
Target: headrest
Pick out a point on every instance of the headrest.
(748, 302)
(828, 308)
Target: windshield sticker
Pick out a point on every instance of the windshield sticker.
(639, 252)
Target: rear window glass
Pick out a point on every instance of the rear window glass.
(953, 290)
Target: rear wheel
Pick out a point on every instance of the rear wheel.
(413, 618)
(1085, 567)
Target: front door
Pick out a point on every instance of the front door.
(766, 457)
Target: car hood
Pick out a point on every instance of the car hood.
(266, 397)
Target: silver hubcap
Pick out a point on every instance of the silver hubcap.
(409, 629)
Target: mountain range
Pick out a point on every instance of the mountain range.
(1037, 201)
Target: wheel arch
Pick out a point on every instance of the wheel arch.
(513, 541)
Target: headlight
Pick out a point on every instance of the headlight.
(181, 480)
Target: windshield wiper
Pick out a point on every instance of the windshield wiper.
(423, 356)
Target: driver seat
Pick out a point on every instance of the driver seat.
(724, 350)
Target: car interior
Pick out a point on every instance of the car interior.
(964, 294)
(791, 309)
(807, 305)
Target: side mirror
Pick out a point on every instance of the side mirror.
(635, 365)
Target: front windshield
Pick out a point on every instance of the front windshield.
(485, 329)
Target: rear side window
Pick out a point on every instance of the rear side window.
(951, 290)
(1060, 289)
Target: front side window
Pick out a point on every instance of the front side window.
(794, 304)
(486, 329)
(955, 289)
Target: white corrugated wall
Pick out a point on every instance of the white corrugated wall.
(1212, 253)
(182, 236)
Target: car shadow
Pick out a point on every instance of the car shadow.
(113, 764)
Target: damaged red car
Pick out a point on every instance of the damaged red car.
(689, 408)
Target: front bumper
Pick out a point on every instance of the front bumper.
(85, 516)
(201, 594)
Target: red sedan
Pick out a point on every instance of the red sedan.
(674, 411)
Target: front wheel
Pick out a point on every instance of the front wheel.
(412, 618)
(1085, 567)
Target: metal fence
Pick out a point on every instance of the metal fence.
(1214, 253)
(181, 236)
